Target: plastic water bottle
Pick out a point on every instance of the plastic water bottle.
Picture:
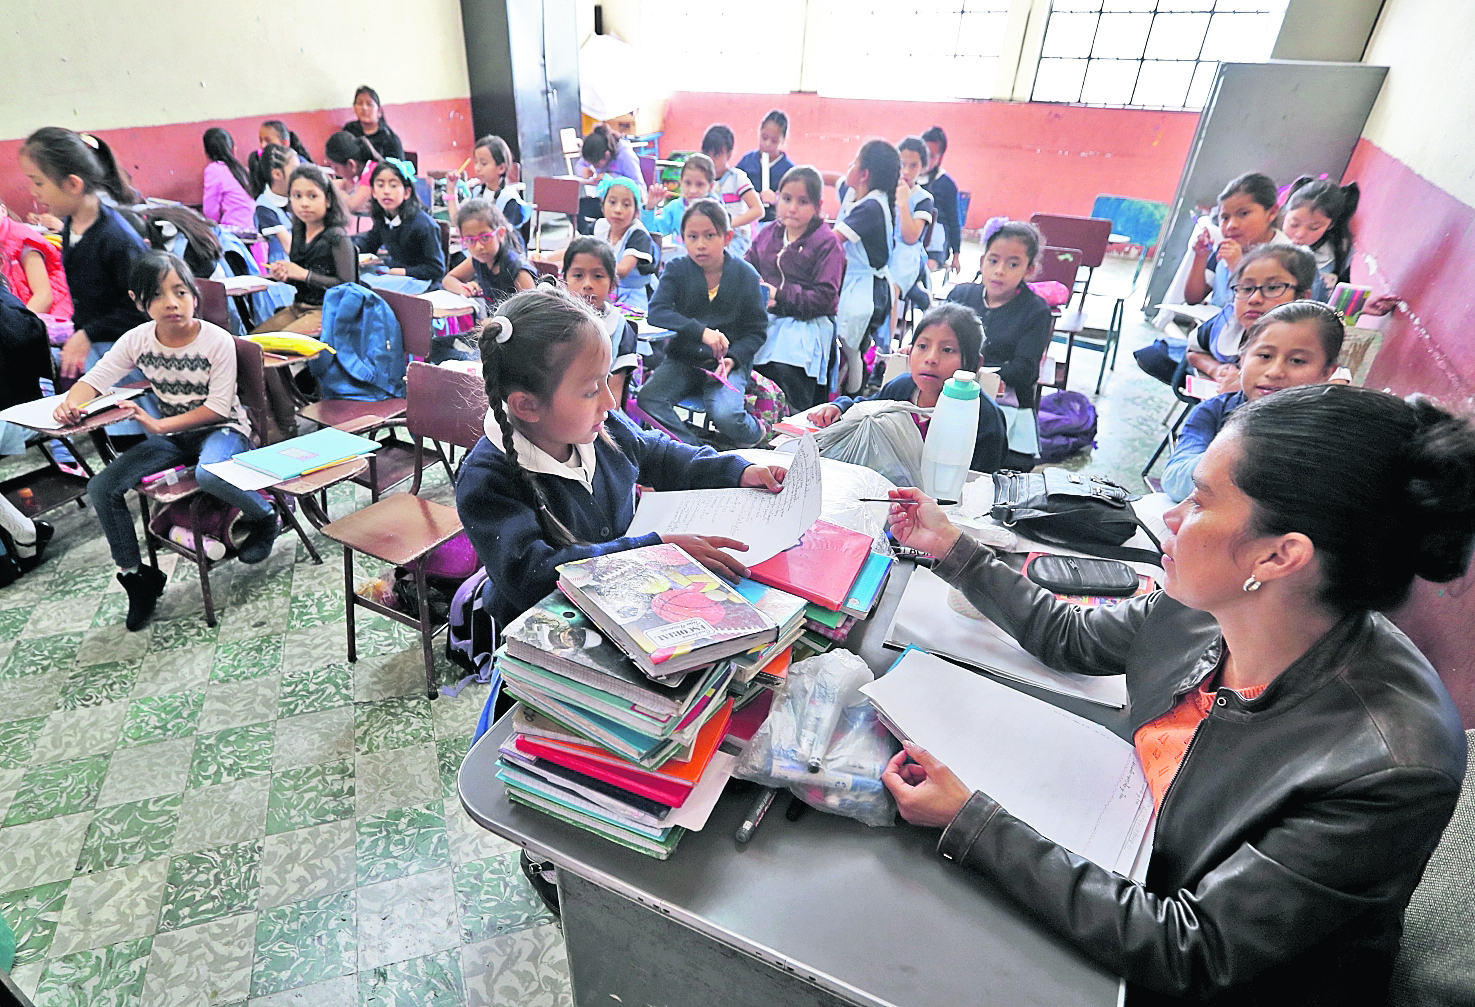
(948, 449)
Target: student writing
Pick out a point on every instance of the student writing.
(352, 161)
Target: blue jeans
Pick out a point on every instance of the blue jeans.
(674, 381)
(109, 488)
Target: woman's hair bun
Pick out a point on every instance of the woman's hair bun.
(1441, 491)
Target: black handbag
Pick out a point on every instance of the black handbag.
(1060, 507)
(1079, 575)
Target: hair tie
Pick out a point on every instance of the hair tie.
(405, 168)
(166, 228)
(501, 326)
(89, 139)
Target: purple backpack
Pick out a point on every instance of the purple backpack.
(1067, 424)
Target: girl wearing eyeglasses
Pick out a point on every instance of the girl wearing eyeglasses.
(492, 269)
(1264, 278)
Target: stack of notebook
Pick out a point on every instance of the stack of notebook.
(623, 679)
(834, 570)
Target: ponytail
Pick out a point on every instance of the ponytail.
(1338, 204)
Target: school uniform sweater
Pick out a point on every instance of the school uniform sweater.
(97, 266)
(386, 141)
(805, 273)
(1203, 425)
(738, 311)
(1015, 335)
(412, 244)
(500, 512)
(945, 197)
(751, 164)
(991, 442)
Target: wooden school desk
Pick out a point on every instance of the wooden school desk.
(821, 911)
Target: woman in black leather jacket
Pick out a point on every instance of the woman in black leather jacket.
(1327, 755)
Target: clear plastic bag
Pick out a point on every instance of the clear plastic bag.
(879, 434)
(823, 743)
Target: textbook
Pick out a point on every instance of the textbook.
(632, 713)
(821, 568)
(310, 452)
(665, 610)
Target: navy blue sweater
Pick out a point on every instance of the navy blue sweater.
(413, 246)
(501, 519)
(739, 312)
(992, 440)
(97, 274)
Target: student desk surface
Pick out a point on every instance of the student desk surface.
(824, 910)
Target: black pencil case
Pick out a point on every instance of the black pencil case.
(1079, 575)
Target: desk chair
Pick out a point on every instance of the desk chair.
(1089, 234)
(251, 387)
(402, 530)
(1060, 265)
(554, 195)
(213, 306)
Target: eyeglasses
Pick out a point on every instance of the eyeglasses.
(1244, 291)
(485, 237)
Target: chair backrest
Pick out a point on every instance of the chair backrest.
(251, 387)
(648, 169)
(445, 240)
(1059, 264)
(445, 404)
(416, 318)
(414, 159)
(1089, 234)
(213, 308)
(557, 195)
(1140, 221)
(1435, 957)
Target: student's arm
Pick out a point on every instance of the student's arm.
(213, 205)
(526, 278)
(112, 367)
(459, 280)
(626, 356)
(664, 313)
(268, 226)
(668, 464)
(370, 241)
(749, 330)
(1199, 431)
(753, 209)
(41, 293)
(642, 250)
(626, 265)
(909, 226)
(120, 247)
(357, 198)
(424, 259)
(1196, 288)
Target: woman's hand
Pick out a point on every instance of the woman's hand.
(927, 792)
(768, 477)
(707, 550)
(823, 416)
(716, 342)
(74, 354)
(918, 523)
(1230, 252)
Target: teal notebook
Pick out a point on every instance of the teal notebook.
(867, 587)
(291, 458)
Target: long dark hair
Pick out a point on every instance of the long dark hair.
(599, 144)
(409, 207)
(542, 330)
(273, 157)
(336, 216)
(202, 248)
(289, 138)
(383, 122)
(712, 210)
(60, 153)
(1026, 234)
(882, 165)
(220, 146)
(1339, 203)
(1398, 506)
(343, 147)
(964, 323)
(146, 277)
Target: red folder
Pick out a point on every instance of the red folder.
(820, 568)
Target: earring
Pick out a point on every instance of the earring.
(1251, 585)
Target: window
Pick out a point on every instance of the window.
(1155, 53)
(922, 50)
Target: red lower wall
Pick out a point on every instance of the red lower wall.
(168, 161)
(1418, 241)
(1015, 158)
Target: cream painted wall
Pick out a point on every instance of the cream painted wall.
(1423, 116)
(146, 64)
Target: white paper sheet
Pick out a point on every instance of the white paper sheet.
(1074, 781)
(697, 808)
(238, 285)
(768, 523)
(38, 413)
(240, 476)
(931, 616)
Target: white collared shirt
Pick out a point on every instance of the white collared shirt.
(579, 467)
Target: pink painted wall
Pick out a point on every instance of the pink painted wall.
(1015, 158)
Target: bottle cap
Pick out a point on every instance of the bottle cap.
(962, 385)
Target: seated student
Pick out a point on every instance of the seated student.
(191, 368)
(589, 274)
(915, 212)
(1303, 755)
(604, 152)
(27, 356)
(1293, 344)
(1246, 219)
(697, 175)
(414, 259)
(554, 479)
(801, 264)
(1265, 277)
(948, 339)
(731, 187)
(945, 245)
(273, 217)
(227, 199)
(1318, 217)
(272, 131)
(322, 255)
(714, 304)
(772, 132)
(368, 124)
(493, 269)
(32, 268)
(352, 161)
(491, 160)
(1016, 328)
(636, 255)
(867, 209)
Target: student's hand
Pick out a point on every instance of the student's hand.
(74, 354)
(288, 269)
(707, 550)
(918, 523)
(471, 289)
(768, 292)
(1226, 376)
(957, 263)
(823, 416)
(46, 221)
(768, 477)
(903, 192)
(1230, 252)
(586, 170)
(396, 271)
(1380, 306)
(927, 792)
(768, 196)
(716, 342)
(67, 413)
(725, 366)
(144, 418)
(277, 270)
(1202, 244)
(655, 195)
(452, 177)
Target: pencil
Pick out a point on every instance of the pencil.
(320, 468)
(463, 166)
(888, 500)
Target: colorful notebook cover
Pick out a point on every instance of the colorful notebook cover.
(780, 606)
(664, 608)
(868, 586)
(291, 458)
(599, 826)
(821, 568)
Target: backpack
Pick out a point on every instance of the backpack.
(368, 362)
(471, 636)
(766, 403)
(1067, 424)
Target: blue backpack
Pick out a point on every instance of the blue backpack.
(369, 362)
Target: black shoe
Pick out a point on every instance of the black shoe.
(44, 531)
(144, 586)
(259, 539)
(543, 877)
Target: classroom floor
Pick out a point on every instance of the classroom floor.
(196, 816)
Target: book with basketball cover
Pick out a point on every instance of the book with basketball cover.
(664, 609)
